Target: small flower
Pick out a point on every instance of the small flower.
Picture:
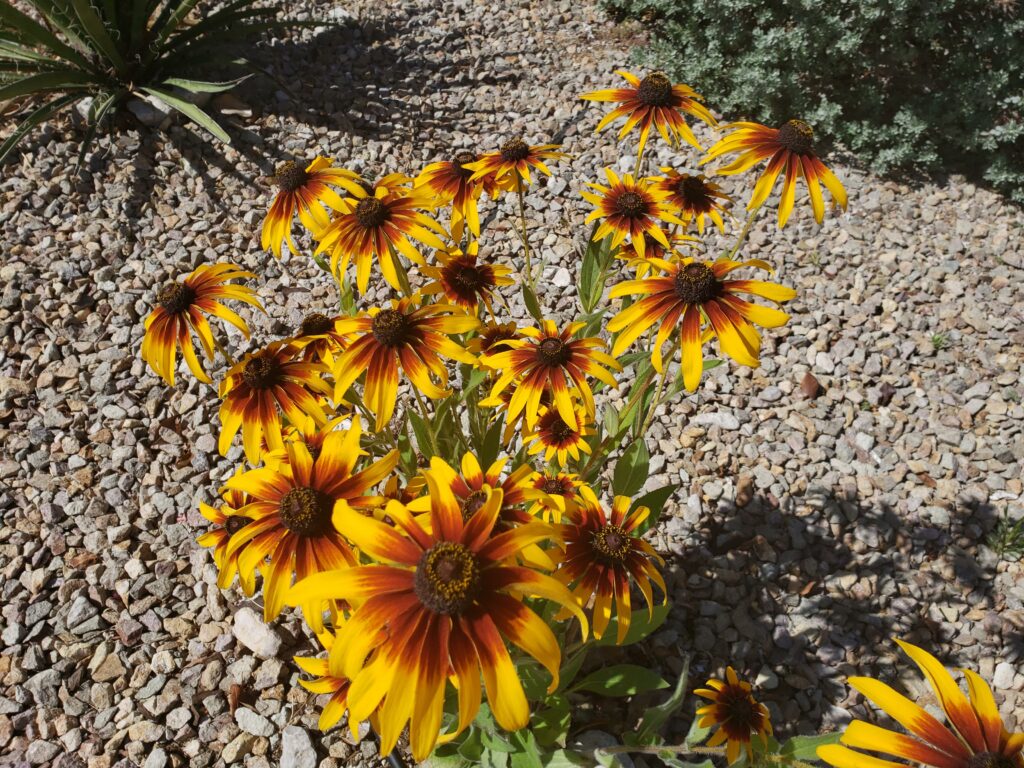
(789, 149)
(694, 198)
(182, 308)
(735, 712)
(689, 295)
(974, 736)
(324, 683)
(226, 520)
(464, 280)
(304, 191)
(492, 337)
(653, 101)
(630, 208)
(473, 484)
(652, 249)
(510, 165)
(318, 339)
(602, 556)
(451, 182)
(555, 495)
(558, 439)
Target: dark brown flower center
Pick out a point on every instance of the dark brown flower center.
(290, 176)
(467, 277)
(797, 137)
(553, 486)
(371, 213)
(390, 327)
(315, 324)
(739, 711)
(234, 523)
(561, 431)
(262, 372)
(472, 503)
(447, 578)
(990, 760)
(693, 190)
(655, 90)
(492, 337)
(176, 297)
(696, 283)
(630, 204)
(514, 150)
(460, 161)
(553, 352)
(306, 511)
(612, 544)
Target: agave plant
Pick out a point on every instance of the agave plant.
(110, 50)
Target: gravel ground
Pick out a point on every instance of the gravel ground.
(814, 523)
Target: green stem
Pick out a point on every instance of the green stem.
(639, 161)
(654, 403)
(681, 749)
(744, 232)
(428, 422)
(522, 223)
(403, 275)
(222, 349)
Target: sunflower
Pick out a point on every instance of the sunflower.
(304, 192)
(492, 337)
(450, 182)
(689, 295)
(652, 249)
(548, 360)
(318, 340)
(377, 224)
(694, 197)
(226, 521)
(653, 101)
(736, 713)
(406, 336)
(975, 736)
(789, 149)
(630, 208)
(463, 280)
(557, 438)
(449, 598)
(292, 515)
(472, 486)
(554, 494)
(183, 307)
(602, 555)
(509, 167)
(257, 386)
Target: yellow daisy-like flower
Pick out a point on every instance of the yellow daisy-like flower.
(465, 281)
(376, 225)
(307, 432)
(550, 360)
(630, 208)
(555, 495)
(318, 339)
(789, 150)
(653, 101)
(326, 684)
(226, 520)
(974, 736)
(738, 716)
(558, 439)
(690, 295)
(292, 511)
(510, 166)
(451, 182)
(652, 249)
(603, 555)
(448, 595)
(492, 337)
(694, 198)
(261, 385)
(405, 336)
(304, 191)
(471, 488)
(182, 309)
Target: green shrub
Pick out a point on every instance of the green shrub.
(64, 51)
(918, 85)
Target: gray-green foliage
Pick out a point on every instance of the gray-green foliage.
(59, 52)
(922, 85)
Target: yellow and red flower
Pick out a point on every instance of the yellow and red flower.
(182, 309)
(472, 486)
(630, 208)
(465, 281)
(554, 495)
(558, 439)
(694, 197)
(738, 716)
(405, 336)
(652, 249)
(509, 167)
(261, 385)
(603, 555)
(451, 182)
(324, 683)
(690, 295)
(226, 520)
(492, 337)
(377, 224)
(549, 360)
(304, 191)
(653, 102)
(974, 736)
(318, 339)
(789, 150)
(448, 598)
(292, 511)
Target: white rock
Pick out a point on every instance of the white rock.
(1003, 677)
(253, 722)
(296, 748)
(157, 759)
(562, 278)
(716, 419)
(251, 632)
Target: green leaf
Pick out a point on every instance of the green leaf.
(712, 362)
(34, 119)
(631, 469)
(535, 679)
(30, 31)
(621, 680)
(566, 758)
(640, 626)
(97, 32)
(201, 86)
(655, 717)
(654, 501)
(476, 378)
(532, 305)
(551, 724)
(191, 111)
(492, 443)
(527, 754)
(697, 733)
(805, 748)
(66, 79)
(571, 668)
(419, 428)
(495, 742)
